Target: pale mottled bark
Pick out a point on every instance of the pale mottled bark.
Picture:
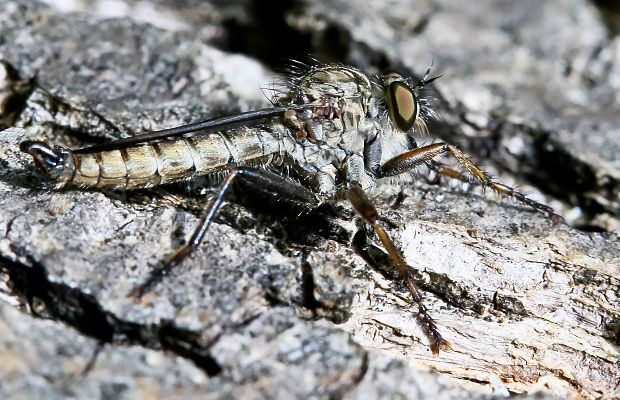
(280, 304)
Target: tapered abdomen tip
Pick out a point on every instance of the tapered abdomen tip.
(27, 146)
(55, 162)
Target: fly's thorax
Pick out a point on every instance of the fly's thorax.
(333, 82)
(334, 90)
(333, 134)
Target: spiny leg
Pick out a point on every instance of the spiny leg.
(414, 158)
(365, 208)
(261, 180)
(502, 189)
(442, 170)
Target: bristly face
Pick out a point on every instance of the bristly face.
(405, 101)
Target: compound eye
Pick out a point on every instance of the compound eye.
(402, 105)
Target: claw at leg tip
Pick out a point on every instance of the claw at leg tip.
(137, 295)
(443, 344)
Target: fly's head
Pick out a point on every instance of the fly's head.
(403, 101)
(56, 162)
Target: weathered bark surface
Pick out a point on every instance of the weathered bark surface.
(280, 305)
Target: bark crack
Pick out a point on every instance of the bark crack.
(70, 305)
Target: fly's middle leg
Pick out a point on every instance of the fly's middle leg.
(259, 179)
(365, 208)
(420, 156)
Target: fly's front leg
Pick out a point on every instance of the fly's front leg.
(364, 207)
(414, 158)
(442, 170)
(261, 180)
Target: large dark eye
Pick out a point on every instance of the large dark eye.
(402, 105)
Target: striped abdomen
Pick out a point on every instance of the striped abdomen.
(156, 163)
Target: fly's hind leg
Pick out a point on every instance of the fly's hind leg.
(365, 208)
(262, 180)
(420, 156)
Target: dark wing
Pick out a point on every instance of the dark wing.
(206, 126)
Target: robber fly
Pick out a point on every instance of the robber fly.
(340, 131)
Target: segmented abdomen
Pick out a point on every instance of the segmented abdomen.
(158, 163)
